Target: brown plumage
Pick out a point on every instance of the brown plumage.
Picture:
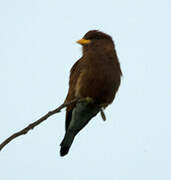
(96, 75)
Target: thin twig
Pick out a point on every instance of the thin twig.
(34, 124)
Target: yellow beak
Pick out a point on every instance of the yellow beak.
(84, 41)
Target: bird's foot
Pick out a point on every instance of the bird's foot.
(104, 105)
(89, 100)
(102, 114)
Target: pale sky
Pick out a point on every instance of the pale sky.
(37, 50)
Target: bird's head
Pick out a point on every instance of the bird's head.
(95, 39)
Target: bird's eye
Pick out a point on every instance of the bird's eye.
(95, 37)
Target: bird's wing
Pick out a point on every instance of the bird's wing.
(74, 75)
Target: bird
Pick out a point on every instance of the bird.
(96, 77)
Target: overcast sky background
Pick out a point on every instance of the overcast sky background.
(37, 50)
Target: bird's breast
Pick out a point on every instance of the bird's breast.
(99, 80)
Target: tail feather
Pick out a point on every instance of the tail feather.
(67, 142)
(81, 115)
(64, 151)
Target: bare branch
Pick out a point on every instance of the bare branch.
(36, 123)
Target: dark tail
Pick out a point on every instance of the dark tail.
(81, 115)
(67, 142)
